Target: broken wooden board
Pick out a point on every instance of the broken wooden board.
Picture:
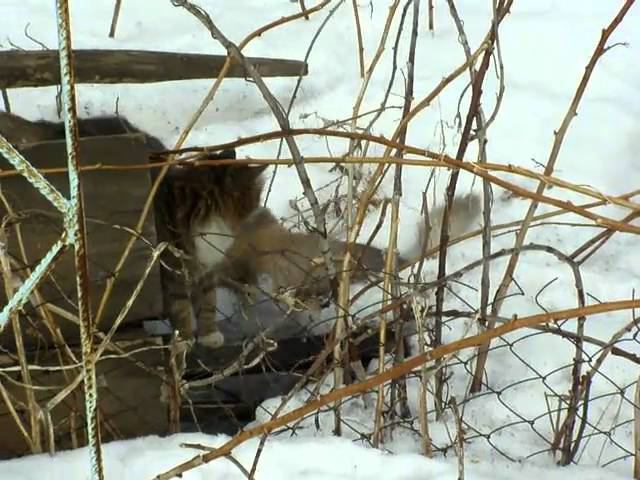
(41, 68)
(129, 401)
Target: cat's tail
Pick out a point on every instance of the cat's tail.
(465, 213)
(464, 216)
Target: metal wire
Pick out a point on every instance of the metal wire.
(32, 175)
(20, 297)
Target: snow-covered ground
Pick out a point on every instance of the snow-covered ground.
(291, 459)
(545, 47)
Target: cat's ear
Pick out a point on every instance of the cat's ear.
(244, 178)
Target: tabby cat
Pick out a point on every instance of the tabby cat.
(200, 210)
(212, 215)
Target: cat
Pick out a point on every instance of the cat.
(231, 241)
(200, 211)
(213, 216)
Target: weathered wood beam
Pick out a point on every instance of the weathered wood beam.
(40, 68)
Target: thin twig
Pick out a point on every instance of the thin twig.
(559, 136)
(472, 115)
(423, 419)
(459, 445)
(5, 100)
(391, 263)
(114, 18)
(636, 432)
(356, 16)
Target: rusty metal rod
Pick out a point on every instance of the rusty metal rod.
(75, 226)
(32, 174)
(21, 296)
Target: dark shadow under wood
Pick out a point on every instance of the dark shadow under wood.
(129, 398)
(230, 404)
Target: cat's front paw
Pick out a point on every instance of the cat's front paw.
(211, 340)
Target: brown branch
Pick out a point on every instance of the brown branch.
(599, 240)
(391, 265)
(438, 160)
(553, 155)
(473, 114)
(444, 161)
(565, 432)
(32, 405)
(356, 15)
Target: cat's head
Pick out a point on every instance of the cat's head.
(229, 190)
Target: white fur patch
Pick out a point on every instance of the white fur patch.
(213, 237)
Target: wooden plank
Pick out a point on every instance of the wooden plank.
(40, 68)
(129, 399)
(113, 200)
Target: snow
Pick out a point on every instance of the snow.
(290, 459)
(545, 47)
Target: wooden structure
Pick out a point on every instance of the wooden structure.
(114, 202)
(129, 395)
(131, 372)
(128, 389)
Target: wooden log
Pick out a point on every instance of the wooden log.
(38, 68)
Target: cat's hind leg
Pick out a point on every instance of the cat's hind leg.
(209, 335)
